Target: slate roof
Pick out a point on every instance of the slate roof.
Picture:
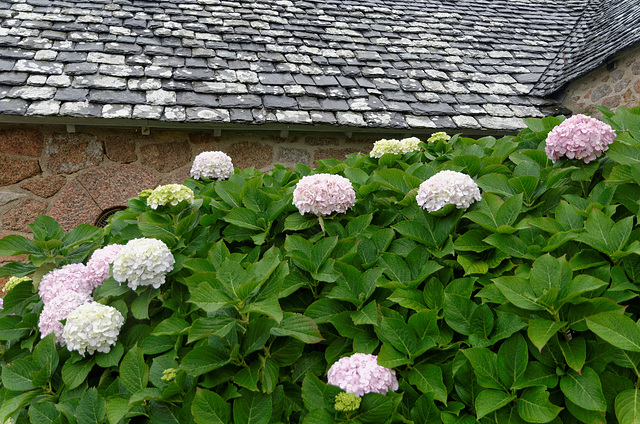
(455, 64)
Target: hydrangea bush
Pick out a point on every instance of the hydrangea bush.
(505, 293)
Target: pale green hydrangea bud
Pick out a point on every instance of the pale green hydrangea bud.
(145, 193)
(14, 281)
(170, 194)
(347, 402)
(439, 136)
(169, 374)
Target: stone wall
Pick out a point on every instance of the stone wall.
(75, 177)
(614, 84)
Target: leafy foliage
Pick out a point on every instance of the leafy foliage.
(522, 308)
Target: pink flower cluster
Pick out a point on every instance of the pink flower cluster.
(579, 137)
(98, 265)
(324, 194)
(360, 374)
(64, 289)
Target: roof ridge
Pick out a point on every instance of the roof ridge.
(537, 90)
(597, 35)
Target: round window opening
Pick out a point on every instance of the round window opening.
(103, 219)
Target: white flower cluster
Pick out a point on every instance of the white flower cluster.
(360, 374)
(92, 327)
(143, 262)
(394, 146)
(170, 194)
(324, 194)
(447, 188)
(213, 165)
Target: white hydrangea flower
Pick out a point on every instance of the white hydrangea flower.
(360, 374)
(397, 147)
(92, 327)
(213, 165)
(324, 194)
(448, 188)
(170, 194)
(57, 309)
(143, 262)
(98, 265)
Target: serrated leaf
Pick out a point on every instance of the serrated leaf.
(574, 352)
(584, 389)
(134, 372)
(299, 326)
(74, 373)
(428, 379)
(541, 330)
(485, 365)
(491, 400)
(17, 376)
(513, 358)
(203, 359)
(510, 244)
(627, 406)
(536, 374)
(458, 312)
(534, 406)
(252, 408)
(209, 408)
(92, 408)
(619, 330)
(117, 409)
(44, 413)
(518, 291)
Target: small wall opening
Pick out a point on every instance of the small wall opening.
(103, 219)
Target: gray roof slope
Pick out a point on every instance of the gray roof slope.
(605, 28)
(458, 64)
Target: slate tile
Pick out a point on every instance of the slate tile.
(117, 96)
(279, 102)
(303, 79)
(261, 89)
(333, 105)
(432, 109)
(308, 103)
(241, 116)
(71, 94)
(13, 106)
(322, 117)
(315, 91)
(275, 79)
(13, 78)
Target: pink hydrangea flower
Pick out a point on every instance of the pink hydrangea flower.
(72, 277)
(360, 374)
(579, 137)
(98, 266)
(324, 194)
(58, 309)
(447, 187)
